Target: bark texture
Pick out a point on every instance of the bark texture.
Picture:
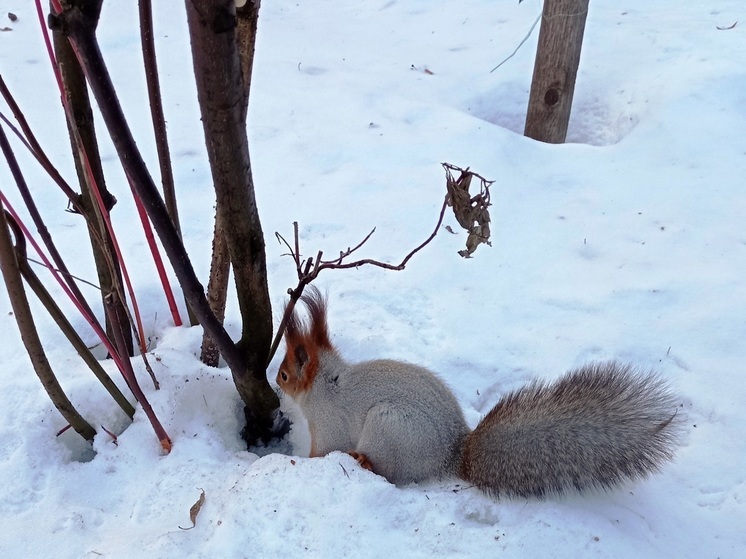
(217, 291)
(76, 91)
(222, 98)
(247, 17)
(555, 70)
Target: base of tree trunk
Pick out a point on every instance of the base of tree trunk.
(260, 429)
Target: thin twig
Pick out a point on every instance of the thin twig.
(34, 146)
(156, 109)
(533, 26)
(37, 219)
(64, 273)
(314, 266)
(129, 373)
(161, 144)
(282, 240)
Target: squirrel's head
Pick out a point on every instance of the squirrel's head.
(304, 341)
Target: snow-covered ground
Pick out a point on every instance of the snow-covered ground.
(627, 242)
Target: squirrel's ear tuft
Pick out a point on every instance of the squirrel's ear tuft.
(294, 329)
(316, 304)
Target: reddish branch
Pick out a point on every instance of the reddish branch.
(161, 144)
(33, 144)
(156, 110)
(35, 148)
(129, 373)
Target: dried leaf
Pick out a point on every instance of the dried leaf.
(470, 211)
(194, 511)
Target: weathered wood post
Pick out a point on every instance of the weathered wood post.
(555, 69)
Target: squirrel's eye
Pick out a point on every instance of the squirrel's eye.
(284, 376)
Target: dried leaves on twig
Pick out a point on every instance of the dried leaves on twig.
(471, 211)
(194, 511)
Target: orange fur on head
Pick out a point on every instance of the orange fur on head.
(303, 343)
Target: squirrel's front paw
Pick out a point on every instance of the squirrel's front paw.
(362, 459)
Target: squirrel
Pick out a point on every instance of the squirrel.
(596, 427)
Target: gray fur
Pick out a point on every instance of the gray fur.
(401, 416)
(594, 428)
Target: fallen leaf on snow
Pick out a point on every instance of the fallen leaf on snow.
(194, 511)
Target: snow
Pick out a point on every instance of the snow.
(627, 242)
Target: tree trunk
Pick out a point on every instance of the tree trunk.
(555, 70)
(217, 291)
(222, 98)
(217, 287)
(262, 404)
(248, 19)
(109, 275)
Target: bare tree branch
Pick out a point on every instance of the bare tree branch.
(309, 269)
(56, 313)
(470, 211)
(22, 312)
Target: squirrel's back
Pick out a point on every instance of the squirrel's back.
(595, 427)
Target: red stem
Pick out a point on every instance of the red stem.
(129, 374)
(124, 365)
(157, 260)
(92, 180)
(48, 43)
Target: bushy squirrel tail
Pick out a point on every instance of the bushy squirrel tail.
(595, 427)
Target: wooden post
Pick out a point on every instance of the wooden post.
(557, 58)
